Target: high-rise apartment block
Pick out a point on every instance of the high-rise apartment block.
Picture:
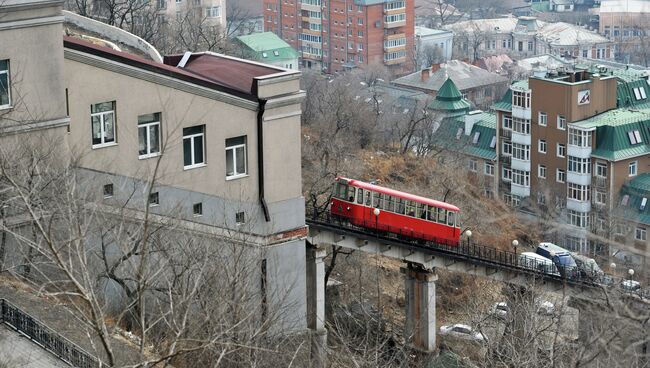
(335, 35)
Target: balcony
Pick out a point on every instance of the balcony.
(505, 186)
(521, 138)
(520, 164)
(311, 20)
(397, 23)
(578, 178)
(505, 133)
(310, 7)
(398, 60)
(579, 206)
(505, 159)
(577, 151)
(520, 190)
(521, 112)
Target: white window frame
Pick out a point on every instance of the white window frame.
(234, 149)
(213, 12)
(102, 126)
(561, 122)
(506, 174)
(541, 146)
(560, 176)
(601, 168)
(640, 233)
(560, 150)
(7, 73)
(473, 165)
(541, 171)
(148, 131)
(600, 196)
(504, 151)
(508, 119)
(192, 138)
(542, 119)
(489, 169)
(633, 168)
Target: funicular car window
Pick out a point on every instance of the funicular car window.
(431, 213)
(389, 203)
(341, 190)
(399, 206)
(442, 216)
(421, 211)
(450, 218)
(376, 200)
(368, 196)
(360, 196)
(410, 208)
(351, 193)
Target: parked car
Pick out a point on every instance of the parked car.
(500, 310)
(561, 257)
(630, 286)
(464, 332)
(588, 267)
(538, 263)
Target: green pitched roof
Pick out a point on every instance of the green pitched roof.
(635, 190)
(612, 133)
(451, 136)
(505, 103)
(268, 47)
(449, 98)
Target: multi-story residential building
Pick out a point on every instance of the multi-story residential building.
(213, 12)
(223, 134)
(526, 36)
(477, 85)
(336, 35)
(627, 24)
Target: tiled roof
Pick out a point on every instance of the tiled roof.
(445, 136)
(636, 189)
(268, 47)
(566, 34)
(466, 76)
(612, 133)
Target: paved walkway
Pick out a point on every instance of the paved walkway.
(17, 351)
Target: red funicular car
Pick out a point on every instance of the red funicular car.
(387, 210)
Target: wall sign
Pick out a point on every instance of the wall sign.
(584, 97)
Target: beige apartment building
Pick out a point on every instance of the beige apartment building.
(212, 11)
(224, 133)
(627, 24)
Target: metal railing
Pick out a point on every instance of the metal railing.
(46, 337)
(454, 250)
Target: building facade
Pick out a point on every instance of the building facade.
(213, 12)
(337, 35)
(213, 140)
(432, 46)
(525, 37)
(626, 24)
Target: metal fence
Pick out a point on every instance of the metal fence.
(46, 337)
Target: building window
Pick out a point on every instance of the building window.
(489, 169)
(213, 12)
(561, 122)
(631, 169)
(601, 169)
(506, 148)
(578, 192)
(521, 99)
(393, 18)
(360, 21)
(579, 219)
(506, 174)
(561, 150)
(102, 118)
(473, 165)
(530, 46)
(521, 177)
(640, 234)
(240, 218)
(600, 197)
(634, 136)
(5, 87)
(197, 209)
(639, 93)
(541, 171)
(507, 122)
(394, 5)
(236, 157)
(542, 118)
(579, 138)
(541, 146)
(521, 126)
(359, 33)
(579, 165)
(560, 176)
(108, 190)
(149, 135)
(154, 199)
(194, 146)
(521, 151)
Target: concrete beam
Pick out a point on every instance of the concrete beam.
(316, 305)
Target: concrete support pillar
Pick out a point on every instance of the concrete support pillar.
(316, 305)
(420, 290)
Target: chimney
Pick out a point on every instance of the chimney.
(425, 74)
(470, 119)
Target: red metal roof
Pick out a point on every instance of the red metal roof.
(230, 72)
(397, 193)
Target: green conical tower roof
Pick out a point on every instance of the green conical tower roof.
(449, 99)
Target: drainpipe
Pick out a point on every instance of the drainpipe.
(260, 157)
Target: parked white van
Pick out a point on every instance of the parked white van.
(538, 263)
